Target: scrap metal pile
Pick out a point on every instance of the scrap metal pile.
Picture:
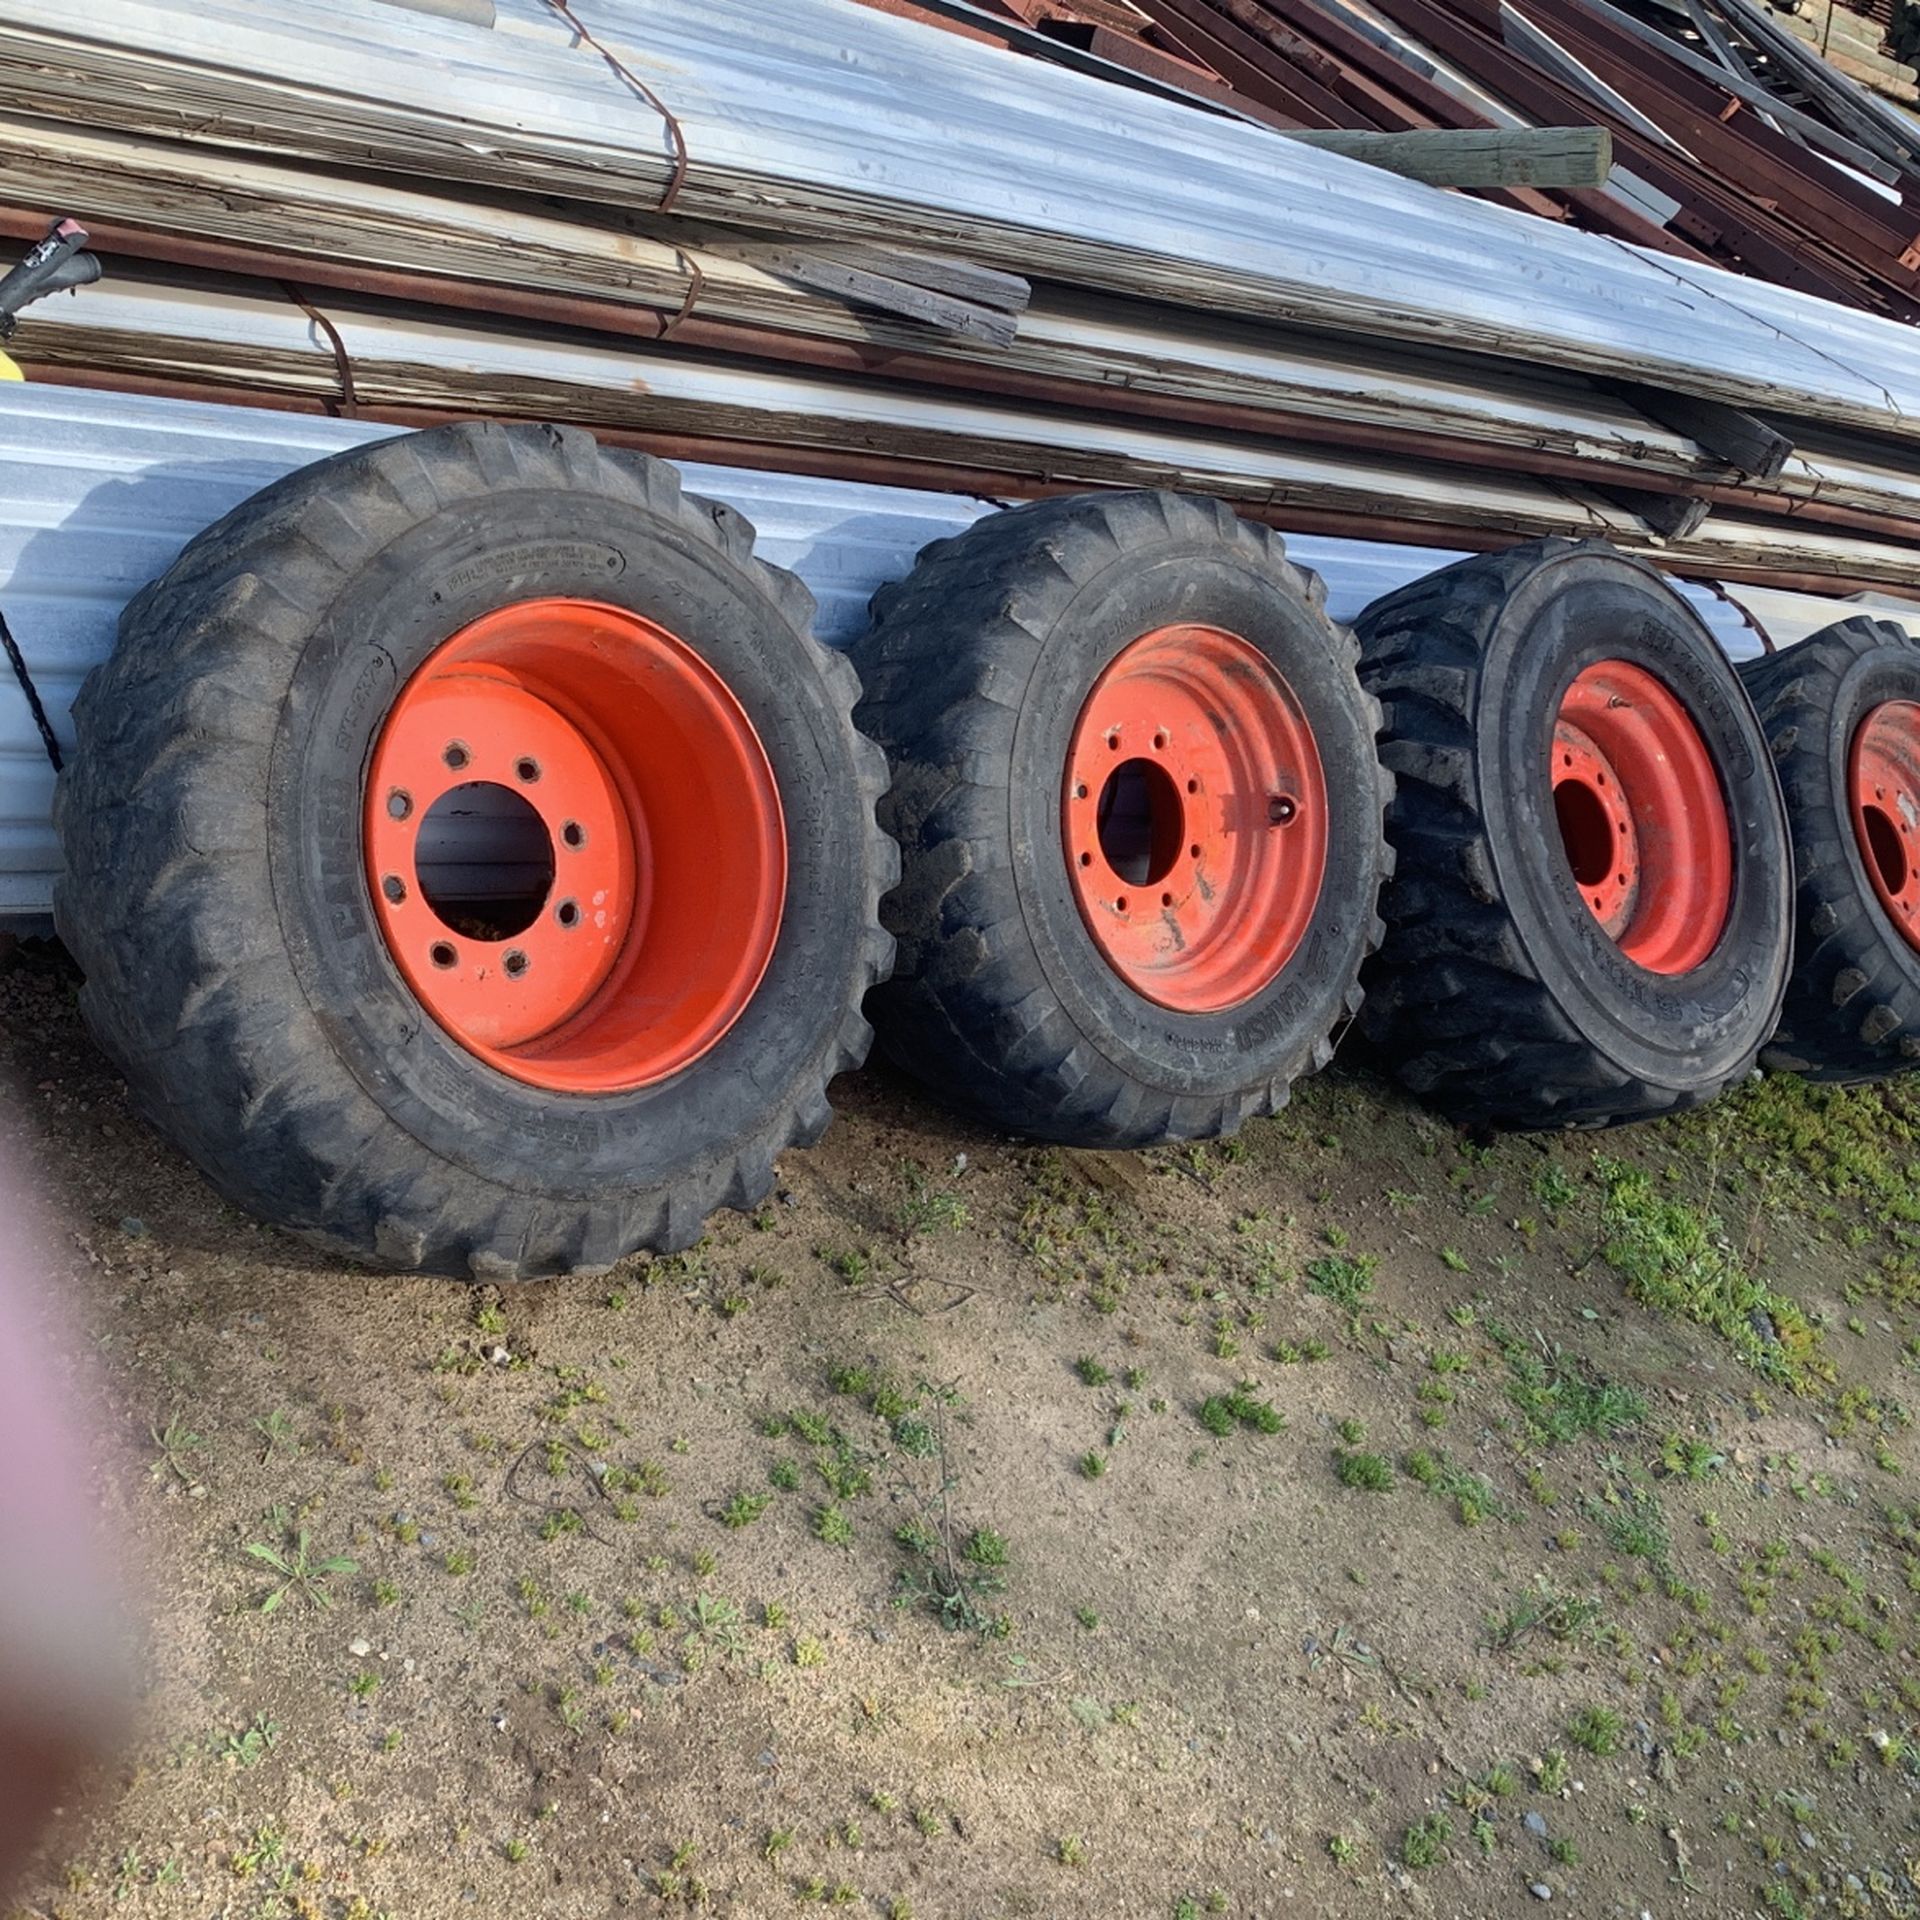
(816, 238)
(1739, 132)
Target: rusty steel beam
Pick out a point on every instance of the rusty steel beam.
(885, 364)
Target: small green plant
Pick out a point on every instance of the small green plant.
(830, 1523)
(744, 1509)
(1425, 1841)
(252, 1743)
(1091, 1372)
(299, 1570)
(177, 1443)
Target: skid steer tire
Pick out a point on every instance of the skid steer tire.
(1842, 714)
(1590, 918)
(1114, 959)
(256, 953)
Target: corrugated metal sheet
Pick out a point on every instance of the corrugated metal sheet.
(262, 342)
(99, 492)
(823, 115)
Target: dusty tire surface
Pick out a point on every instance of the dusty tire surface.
(1852, 1009)
(1497, 995)
(217, 899)
(977, 668)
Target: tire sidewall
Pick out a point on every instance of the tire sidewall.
(1888, 672)
(1195, 583)
(1671, 1030)
(444, 571)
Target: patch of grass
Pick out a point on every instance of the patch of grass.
(830, 1523)
(1596, 1730)
(1347, 1283)
(1091, 1372)
(1633, 1524)
(1221, 1413)
(1561, 1400)
(1367, 1471)
(1677, 1260)
(1540, 1609)
(928, 1208)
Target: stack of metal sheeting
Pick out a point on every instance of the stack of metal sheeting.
(822, 117)
(254, 339)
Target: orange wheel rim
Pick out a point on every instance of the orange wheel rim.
(1643, 823)
(1883, 778)
(1194, 818)
(575, 846)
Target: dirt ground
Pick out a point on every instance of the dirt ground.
(1342, 1520)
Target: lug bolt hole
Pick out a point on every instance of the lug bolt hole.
(1281, 808)
(394, 888)
(443, 955)
(568, 913)
(399, 804)
(1079, 790)
(1121, 903)
(1166, 899)
(527, 769)
(574, 834)
(1159, 739)
(1193, 852)
(1193, 786)
(456, 755)
(515, 963)
(1086, 859)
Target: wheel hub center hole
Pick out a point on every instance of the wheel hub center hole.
(1883, 842)
(1586, 831)
(485, 861)
(1142, 822)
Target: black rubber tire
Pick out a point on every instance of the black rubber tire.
(1852, 1010)
(1496, 995)
(215, 898)
(976, 667)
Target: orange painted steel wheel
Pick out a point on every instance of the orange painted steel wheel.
(1194, 818)
(1642, 818)
(575, 846)
(1883, 782)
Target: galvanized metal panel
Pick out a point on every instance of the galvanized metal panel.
(99, 492)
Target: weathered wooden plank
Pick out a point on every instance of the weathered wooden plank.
(1479, 157)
